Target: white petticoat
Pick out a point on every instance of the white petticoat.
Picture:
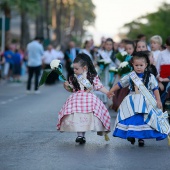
(82, 122)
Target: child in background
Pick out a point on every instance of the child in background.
(135, 113)
(108, 53)
(130, 47)
(122, 93)
(152, 67)
(17, 66)
(156, 42)
(141, 46)
(163, 64)
(83, 111)
(121, 46)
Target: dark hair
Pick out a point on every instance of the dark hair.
(84, 60)
(168, 41)
(139, 36)
(151, 68)
(85, 43)
(141, 54)
(145, 55)
(41, 39)
(109, 39)
(163, 47)
(130, 42)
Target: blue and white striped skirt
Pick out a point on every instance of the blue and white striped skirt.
(136, 127)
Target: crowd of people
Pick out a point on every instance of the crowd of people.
(89, 75)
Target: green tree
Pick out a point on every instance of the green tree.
(72, 16)
(26, 9)
(4, 6)
(156, 23)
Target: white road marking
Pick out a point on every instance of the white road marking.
(13, 99)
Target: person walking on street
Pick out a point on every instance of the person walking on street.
(69, 56)
(83, 111)
(137, 118)
(35, 52)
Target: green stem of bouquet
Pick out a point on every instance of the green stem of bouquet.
(62, 76)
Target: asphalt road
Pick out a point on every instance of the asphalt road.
(29, 139)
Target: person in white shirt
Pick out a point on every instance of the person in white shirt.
(163, 62)
(35, 52)
(156, 42)
(49, 55)
(108, 53)
(163, 66)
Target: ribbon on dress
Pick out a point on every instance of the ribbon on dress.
(163, 125)
(85, 82)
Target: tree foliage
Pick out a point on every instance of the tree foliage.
(72, 17)
(156, 23)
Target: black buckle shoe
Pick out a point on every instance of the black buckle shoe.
(80, 140)
(131, 140)
(141, 142)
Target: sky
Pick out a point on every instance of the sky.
(111, 15)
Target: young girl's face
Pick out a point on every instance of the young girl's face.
(78, 69)
(88, 45)
(141, 46)
(129, 48)
(139, 65)
(115, 46)
(108, 45)
(155, 46)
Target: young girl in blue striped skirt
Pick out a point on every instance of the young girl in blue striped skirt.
(134, 111)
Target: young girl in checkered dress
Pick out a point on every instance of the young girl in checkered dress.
(83, 111)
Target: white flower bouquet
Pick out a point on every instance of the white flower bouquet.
(121, 56)
(103, 63)
(113, 69)
(124, 68)
(55, 66)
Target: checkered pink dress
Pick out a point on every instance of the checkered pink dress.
(83, 102)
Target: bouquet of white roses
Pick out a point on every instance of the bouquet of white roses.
(121, 56)
(55, 66)
(103, 62)
(124, 68)
(102, 65)
(113, 69)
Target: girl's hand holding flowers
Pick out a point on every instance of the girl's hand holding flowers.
(66, 83)
(67, 86)
(56, 66)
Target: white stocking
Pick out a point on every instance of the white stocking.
(81, 134)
